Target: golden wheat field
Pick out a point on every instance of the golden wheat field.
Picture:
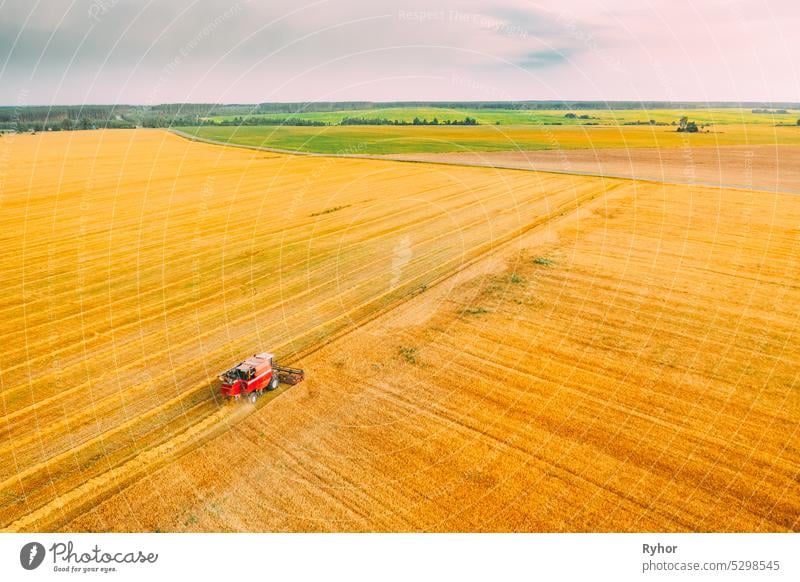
(485, 350)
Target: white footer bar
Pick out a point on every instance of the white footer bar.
(400, 557)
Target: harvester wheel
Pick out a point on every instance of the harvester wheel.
(274, 382)
(253, 397)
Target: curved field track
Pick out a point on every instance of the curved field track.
(630, 366)
(136, 265)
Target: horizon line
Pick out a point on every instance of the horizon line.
(656, 102)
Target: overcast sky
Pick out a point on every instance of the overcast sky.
(140, 51)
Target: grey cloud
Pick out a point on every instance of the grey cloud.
(543, 58)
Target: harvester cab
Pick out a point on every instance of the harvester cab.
(246, 372)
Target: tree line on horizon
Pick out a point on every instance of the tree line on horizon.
(68, 118)
(73, 117)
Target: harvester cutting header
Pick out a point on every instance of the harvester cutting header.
(257, 374)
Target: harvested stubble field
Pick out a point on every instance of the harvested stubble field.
(607, 354)
(137, 265)
(631, 366)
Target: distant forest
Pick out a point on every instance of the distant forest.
(328, 106)
(67, 117)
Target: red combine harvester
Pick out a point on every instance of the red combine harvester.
(255, 375)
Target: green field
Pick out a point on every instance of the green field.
(723, 116)
(485, 138)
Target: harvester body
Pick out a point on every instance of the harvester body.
(256, 374)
